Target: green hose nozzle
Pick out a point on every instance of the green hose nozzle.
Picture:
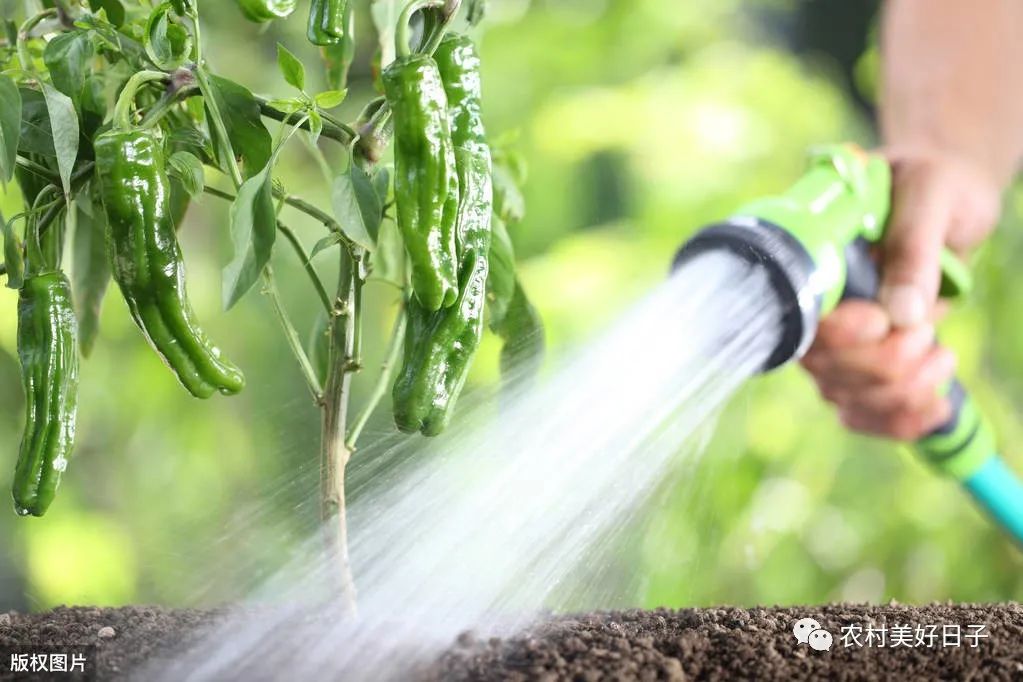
(814, 241)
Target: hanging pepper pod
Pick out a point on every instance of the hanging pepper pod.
(326, 21)
(440, 346)
(146, 260)
(48, 352)
(338, 57)
(262, 11)
(425, 177)
(459, 64)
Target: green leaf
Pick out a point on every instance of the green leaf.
(501, 280)
(13, 258)
(11, 32)
(92, 104)
(291, 68)
(248, 136)
(331, 240)
(253, 231)
(330, 98)
(289, 105)
(388, 260)
(382, 184)
(188, 139)
(512, 316)
(113, 8)
(523, 334)
(167, 43)
(64, 124)
(188, 169)
(10, 127)
(36, 137)
(509, 203)
(357, 207)
(67, 58)
(91, 269)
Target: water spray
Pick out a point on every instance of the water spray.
(814, 242)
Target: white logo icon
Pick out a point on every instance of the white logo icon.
(803, 628)
(820, 640)
(809, 631)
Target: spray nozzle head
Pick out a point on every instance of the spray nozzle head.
(790, 271)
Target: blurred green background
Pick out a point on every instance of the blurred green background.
(641, 120)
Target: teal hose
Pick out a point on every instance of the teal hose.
(998, 490)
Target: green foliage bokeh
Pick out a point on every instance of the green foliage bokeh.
(640, 120)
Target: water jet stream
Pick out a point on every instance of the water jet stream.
(481, 528)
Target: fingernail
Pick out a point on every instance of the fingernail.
(905, 304)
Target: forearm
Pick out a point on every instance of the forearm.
(953, 80)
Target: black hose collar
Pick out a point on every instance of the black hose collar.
(789, 268)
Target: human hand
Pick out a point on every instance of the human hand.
(877, 362)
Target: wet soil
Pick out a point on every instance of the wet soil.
(940, 641)
(934, 642)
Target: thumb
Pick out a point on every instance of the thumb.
(911, 253)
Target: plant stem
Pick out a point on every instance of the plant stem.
(402, 35)
(298, 204)
(292, 238)
(334, 453)
(321, 291)
(157, 111)
(122, 110)
(383, 381)
(310, 210)
(23, 54)
(270, 289)
(38, 169)
(217, 121)
(332, 128)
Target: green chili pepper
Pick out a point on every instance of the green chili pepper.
(326, 21)
(459, 66)
(262, 11)
(440, 346)
(146, 261)
(48, 351)
(338, 57)
(425, 177)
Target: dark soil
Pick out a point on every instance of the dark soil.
(749, 644)
(114, 641)
(688, 644)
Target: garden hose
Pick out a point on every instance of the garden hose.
(814, 241)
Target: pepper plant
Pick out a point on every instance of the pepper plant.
(111, 118)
